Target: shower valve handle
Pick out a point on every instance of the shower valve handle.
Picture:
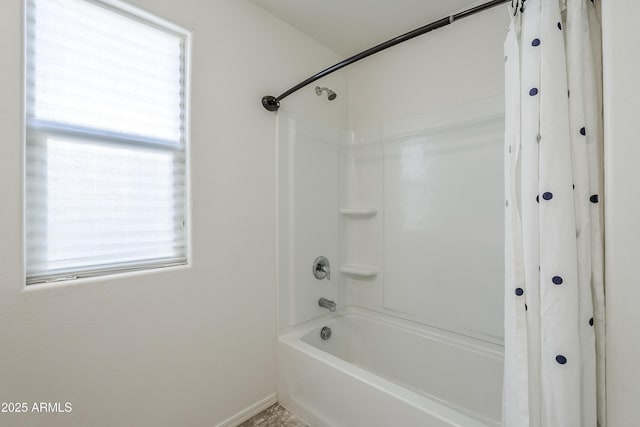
(321, 268)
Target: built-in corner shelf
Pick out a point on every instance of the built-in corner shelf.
(358, 212)
(359, 270)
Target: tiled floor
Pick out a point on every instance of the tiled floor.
(274, 416)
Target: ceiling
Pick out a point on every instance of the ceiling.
(350, 26)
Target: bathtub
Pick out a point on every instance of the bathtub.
(378, 370)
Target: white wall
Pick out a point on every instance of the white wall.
(621, 38)
(183, 347)
(450, 66)
(441, 228)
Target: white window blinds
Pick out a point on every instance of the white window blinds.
(105, 141)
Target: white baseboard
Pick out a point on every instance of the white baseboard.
(249, 412)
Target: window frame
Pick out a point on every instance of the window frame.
(29, 124)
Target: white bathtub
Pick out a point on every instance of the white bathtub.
(377, 370)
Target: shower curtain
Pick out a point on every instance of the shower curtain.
(554, 299)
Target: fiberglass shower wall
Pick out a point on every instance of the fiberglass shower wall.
(410, 215)
(308, 188)
(421, 224)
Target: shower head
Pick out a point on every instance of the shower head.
(330, 94)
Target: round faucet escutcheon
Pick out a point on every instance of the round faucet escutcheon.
(321, 268)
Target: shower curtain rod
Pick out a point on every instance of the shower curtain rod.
(272, 103)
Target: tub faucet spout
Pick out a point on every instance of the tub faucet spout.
(328, 304)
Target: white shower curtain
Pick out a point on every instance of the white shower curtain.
(554, 299)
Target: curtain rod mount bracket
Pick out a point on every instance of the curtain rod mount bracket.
(271, 103)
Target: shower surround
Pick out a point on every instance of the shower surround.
(410, 216)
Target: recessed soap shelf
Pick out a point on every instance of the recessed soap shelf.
(359, 212)
(359, 270)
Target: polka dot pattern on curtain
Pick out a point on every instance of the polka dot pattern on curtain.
(554, 354)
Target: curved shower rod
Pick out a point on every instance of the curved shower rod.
(272, 103)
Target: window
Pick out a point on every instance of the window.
(105, 141)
